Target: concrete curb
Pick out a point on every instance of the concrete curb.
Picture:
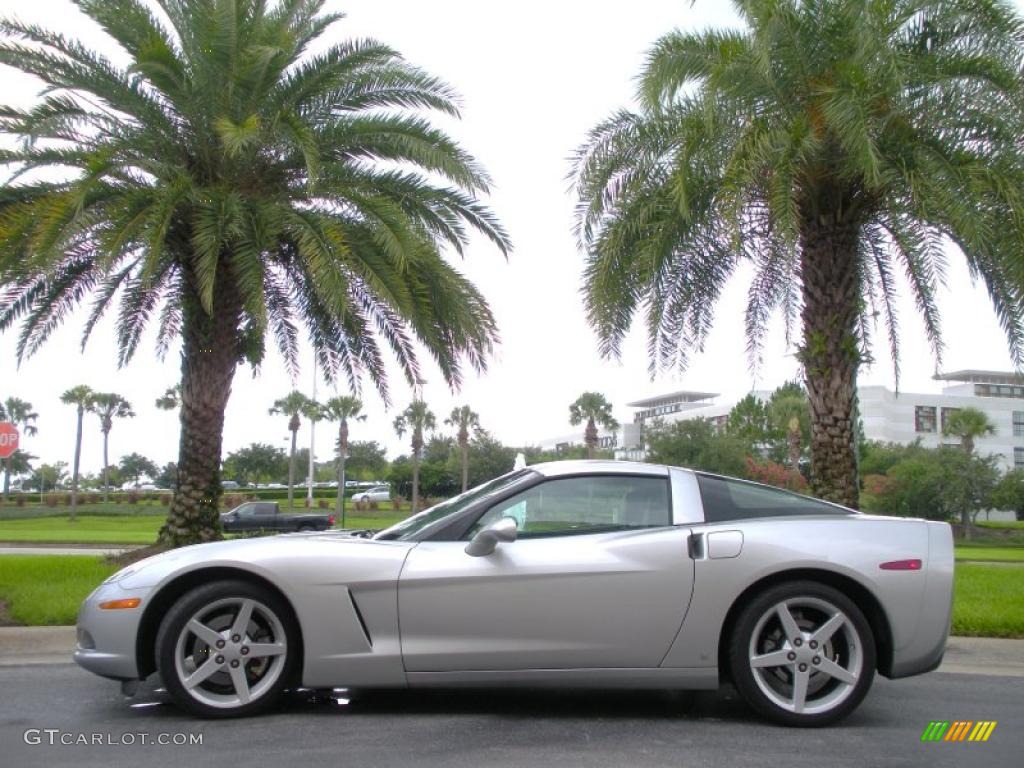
(964, 655)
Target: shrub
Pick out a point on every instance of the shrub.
(770, 473)
(20, 501)
(165, 499)
(51, 499)
(374, 506)
(133, 497)
(322, 503)
(396, 503)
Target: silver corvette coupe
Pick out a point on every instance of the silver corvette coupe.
(570, 574)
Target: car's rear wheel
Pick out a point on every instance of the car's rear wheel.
(227, 649)
(802, 654)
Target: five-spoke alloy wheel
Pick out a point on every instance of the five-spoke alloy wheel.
(802, 653)
(227, 649)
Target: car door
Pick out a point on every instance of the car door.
(598, 578)
(245, 517)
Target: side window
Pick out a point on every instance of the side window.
(737, 500)
(264, 509)
(578, 505)
(247, 510)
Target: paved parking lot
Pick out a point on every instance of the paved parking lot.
(505, 728)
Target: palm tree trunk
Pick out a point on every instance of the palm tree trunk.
(590, 438)
(417, 444)
(209, 358)
(342, 456)
(830, 352)
(106, 467)
(291, 471)
(464, 448)
(78, 456)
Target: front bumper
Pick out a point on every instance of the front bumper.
(106, 638)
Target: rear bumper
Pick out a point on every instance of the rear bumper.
(924, 653)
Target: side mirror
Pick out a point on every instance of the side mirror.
(485, 542)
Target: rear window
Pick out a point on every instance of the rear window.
(738, 500)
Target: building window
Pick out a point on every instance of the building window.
(924, 418)
(1018, 423)
(945, 414)
(1018, 458)
(999, 390)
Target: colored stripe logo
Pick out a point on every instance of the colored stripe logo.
(958, 730)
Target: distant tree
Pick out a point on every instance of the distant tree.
(109, 406)
(877, 458)
(170, 399)
(367, 460)
(488, 458)
(293, 405)
(968, 424)
(342, 409)
(695, 443)
(465, 420)
(592, 409)
(49, 476)
(80, 397)
(1009, 493)
(748, 421)
(416, 419)
(789, 413)
(135, 465)
(19, 413)
(167, 477)
(19, 464)
(256, 461)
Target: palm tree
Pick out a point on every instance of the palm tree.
(417, 419)
(19, 413)
(109, 406)
(464, 419)
(293, 405)
(968, 424)
(233, 184)
(80, 397)
(830, 145)
(170, 399)
(592, 408)
(342, 409)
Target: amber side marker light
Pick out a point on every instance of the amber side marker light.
(901, 565)
(127, 602)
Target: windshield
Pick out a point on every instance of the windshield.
(409, 527)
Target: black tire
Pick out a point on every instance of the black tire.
(848, 655)
(271, 615)
(306, 528)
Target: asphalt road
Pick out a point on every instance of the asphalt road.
(503, 728)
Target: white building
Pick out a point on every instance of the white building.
(887, 416)
(607, 440)
(907, 416)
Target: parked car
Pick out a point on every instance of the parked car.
(267, 515)
(228, 485)
(576, 573)
(377, 493)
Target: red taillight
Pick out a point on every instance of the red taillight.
(901, 565)
(330, 519)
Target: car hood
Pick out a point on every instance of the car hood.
(265, 555)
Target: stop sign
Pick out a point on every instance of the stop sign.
(8, 439)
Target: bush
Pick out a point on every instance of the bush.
(322, 503)
(374, 506)
(20, 501)
(770, 473)
(165, 499)
(51, 499)
(396, 503)
(133, 497)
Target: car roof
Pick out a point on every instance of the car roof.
(602, 466)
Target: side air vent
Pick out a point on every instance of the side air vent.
(359, 618)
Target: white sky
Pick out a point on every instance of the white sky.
(534, 77)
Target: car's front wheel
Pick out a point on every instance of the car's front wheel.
(802, 654)
(227, 649)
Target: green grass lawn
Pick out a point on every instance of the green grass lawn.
(139, 529)
(47, 589)
(988, 601)
(991, 554)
